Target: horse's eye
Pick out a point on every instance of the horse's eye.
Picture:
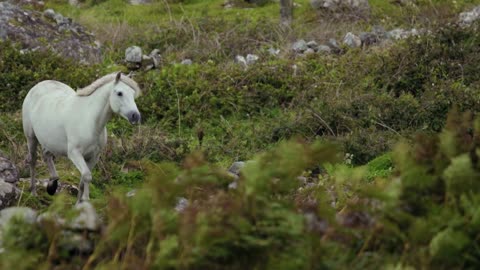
(120, 94)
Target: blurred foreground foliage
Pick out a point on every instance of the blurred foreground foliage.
(423, 213)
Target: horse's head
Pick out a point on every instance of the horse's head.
(122, 101)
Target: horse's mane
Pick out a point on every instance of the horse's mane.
(88, 90)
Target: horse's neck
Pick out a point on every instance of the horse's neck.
(100, 107)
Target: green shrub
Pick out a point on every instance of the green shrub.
(21, 71)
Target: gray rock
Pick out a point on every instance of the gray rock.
(368, 39)
(32, 28)
(468, 17)
(379, 31)
(75, 243)
(341, 5)
(131, 193)
(351, 40)
(156, 57)
(24, 213)
(182, 203)
(324, 49)
(49, 13)
(274, 52)
(312, 44)
(299, 46)
(233, 185)
(87, 218)
(309, 51)
(50, 217)
(333, 44)
(241, 60)
(133, 54)
(8, 171)
(187, 62)
(138, 2)
(8, 194)
(397, 34)
(251, 59)
(236, 167)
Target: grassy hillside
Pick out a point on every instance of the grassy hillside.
(366, 129)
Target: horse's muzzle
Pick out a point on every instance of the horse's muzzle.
(134, 117)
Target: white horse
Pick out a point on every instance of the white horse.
(72, 124)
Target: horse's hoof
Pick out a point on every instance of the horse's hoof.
(52, 186)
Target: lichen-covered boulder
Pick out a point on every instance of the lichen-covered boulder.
(8, 194)
(35, 30)
(86, 219)
(8, 171)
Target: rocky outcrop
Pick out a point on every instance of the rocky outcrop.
(49, 30)
(9, 177)
(8, 171)
(76, 232)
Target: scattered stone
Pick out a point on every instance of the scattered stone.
(9, 194)
(133, 54)
(236, 167)
(352, 40)
(379, 32)
(360, 7)
(324, 49)
(368, 39)
(251, 59)
(397, 34)
(241, 60)
(49, 13)
(87, 218)
(69, 188)
(8, 171)
(468, 17)
(156, 57)
(274, 52)
(309, 51)
(233, 185)
(299, 46)
(187, 62)
(182, 203)
(24, 213)
(138, 2)
(131, 193)
(333, 44)
(312, 44)
(75, 243)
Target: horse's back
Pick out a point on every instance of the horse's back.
(42, 110)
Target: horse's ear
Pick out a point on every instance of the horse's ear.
(117, 79)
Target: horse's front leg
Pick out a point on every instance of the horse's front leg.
(90, 163)
(86, 175)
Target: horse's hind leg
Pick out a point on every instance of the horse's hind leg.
(32, 143)
(53, 183)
